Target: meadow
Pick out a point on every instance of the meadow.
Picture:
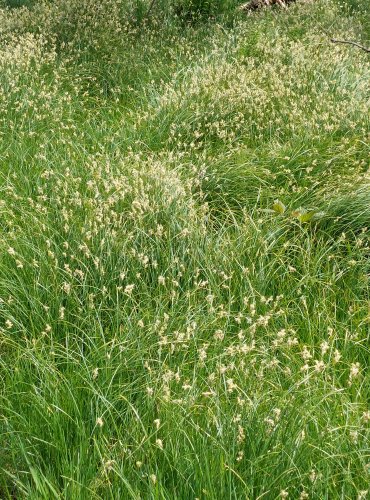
(184, 251)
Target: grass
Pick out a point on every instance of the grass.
(184, 272)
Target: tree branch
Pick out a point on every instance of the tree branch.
(334, 40)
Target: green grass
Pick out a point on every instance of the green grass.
(169, 330)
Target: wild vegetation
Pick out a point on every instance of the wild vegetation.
(184, 271)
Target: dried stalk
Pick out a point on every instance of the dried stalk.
(362, 47)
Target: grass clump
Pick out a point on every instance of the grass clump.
(184, 253)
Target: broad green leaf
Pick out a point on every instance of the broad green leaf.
(278, 207)
(307, 216)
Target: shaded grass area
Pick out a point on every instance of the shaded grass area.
(172, 322)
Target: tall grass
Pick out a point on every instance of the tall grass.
(184, 271)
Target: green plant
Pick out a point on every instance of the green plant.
(193, 10)
(173, 324)
(18, 3)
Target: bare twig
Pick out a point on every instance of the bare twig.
(150, 8)
(334, 40)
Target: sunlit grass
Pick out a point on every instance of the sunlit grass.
(184, 272)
